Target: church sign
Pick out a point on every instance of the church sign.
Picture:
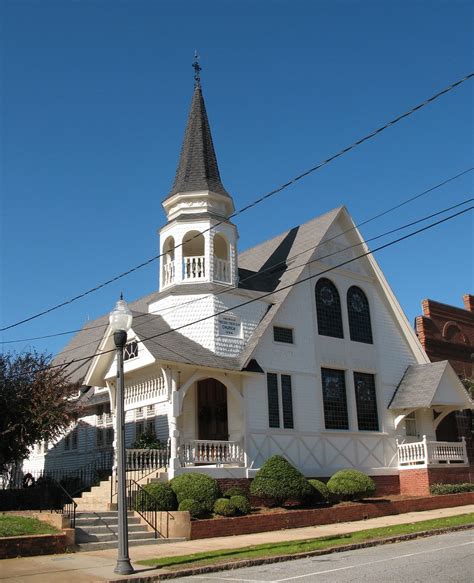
(229, 325)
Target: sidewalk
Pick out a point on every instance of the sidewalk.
(99, 565)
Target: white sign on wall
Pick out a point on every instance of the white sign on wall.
(229, 325)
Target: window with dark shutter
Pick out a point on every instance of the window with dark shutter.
(273, 406)
(287, 401)
(334, 399)
(281, 334)
(358, 312)
(366, 402)
(328, 309)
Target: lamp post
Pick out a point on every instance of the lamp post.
(120, 320)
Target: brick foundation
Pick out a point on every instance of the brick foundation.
(318, 516)
(417, 481)
(29, 546)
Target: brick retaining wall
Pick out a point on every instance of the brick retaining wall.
(417, 481)
(29, 546)
(329, 515)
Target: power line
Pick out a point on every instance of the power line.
(272, 266)
(283, 288)
(273, 192)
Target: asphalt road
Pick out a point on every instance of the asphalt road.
(447, 558)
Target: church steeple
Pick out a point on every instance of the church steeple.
(197, 168)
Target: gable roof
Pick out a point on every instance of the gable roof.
(419, 386)
(197, 167)
(175, 347)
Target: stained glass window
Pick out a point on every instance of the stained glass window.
(130, 350)
(287, 401)
(280, 391)
(359, 315)
(334, 399)
(328, 309)
(273, 405)
(366, 402)
(281, 334)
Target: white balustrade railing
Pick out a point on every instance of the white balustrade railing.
(168, 273)
(144, 390)
(429, 453)
(211, 452)
(194, 267)
(146, 459)
(222, 270)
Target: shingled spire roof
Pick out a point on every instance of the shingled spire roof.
(197, 168)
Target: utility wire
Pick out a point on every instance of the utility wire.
(272, 293)
(274, 265)
(257, 201)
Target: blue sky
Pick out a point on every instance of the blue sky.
(95, 96)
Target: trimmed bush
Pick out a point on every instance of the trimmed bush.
(351, 485)
(224, 507)
(278, 481)
(235, 491)
(319, 491)
(160, 498)
(241, 504)
(192, 506)
(199, 487)
(440, 489)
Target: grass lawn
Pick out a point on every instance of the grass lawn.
(293, 547)
(11, 525)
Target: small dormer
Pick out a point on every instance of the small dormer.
(198, 243)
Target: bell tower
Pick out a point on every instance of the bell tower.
(198, 243)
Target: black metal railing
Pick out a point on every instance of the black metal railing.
(65, 504)
(140, 501)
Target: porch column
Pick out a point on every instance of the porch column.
(174, 462)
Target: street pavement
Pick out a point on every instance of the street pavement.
(447, 558)
(96, 566)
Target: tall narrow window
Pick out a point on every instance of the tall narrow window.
(366, 402)
(273, 405)
(280, 401)
(328, 309)
(359, 315)
(334, 399)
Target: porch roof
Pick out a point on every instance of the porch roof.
(430, 385)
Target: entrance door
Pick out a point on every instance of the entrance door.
(212, 410)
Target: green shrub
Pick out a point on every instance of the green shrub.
(319, 491)
(241, 504)
(193, 507)
(224, 507)
(235, 491)
(159, 497)
(351, 485)
(197, 487)
(278, 481)
(451, 488)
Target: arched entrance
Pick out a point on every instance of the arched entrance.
(212, 410)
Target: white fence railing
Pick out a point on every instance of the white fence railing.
(144, 390)
(211, 452)
(146, 459)
(432, 453)
(222, 270)
(194, 267)
(168, 273)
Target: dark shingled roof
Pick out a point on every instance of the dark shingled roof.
(418, 385)
(299, 242)
(197, 168)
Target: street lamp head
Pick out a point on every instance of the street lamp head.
(120, 318)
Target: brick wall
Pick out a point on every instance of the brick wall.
(314, 517)
(29, 546)
(417, 482)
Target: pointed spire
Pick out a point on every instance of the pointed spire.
(197, 168)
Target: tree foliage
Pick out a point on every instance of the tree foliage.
(35, 403)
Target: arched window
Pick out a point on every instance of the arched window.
(358, 311)
(194, 264)
(221, 259)
(328, 309)
(168, 275)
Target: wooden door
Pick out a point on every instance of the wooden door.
(212, 410)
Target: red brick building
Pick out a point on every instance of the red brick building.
(447, 333)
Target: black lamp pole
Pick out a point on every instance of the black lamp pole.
(123, 566)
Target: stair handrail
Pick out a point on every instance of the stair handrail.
(140, 501)
(68, 508)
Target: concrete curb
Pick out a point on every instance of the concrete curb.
(280, 558)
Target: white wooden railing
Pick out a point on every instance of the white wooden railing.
(222, 270)
(194, 267)
(144, 390)
(431, 453)
(211, 452)
(146, 459)
(168, 273)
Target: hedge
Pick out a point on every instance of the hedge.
(351, 485)
(438, 489)
(278, 481)
(199, 487)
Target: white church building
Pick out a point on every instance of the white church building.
(287, 348)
